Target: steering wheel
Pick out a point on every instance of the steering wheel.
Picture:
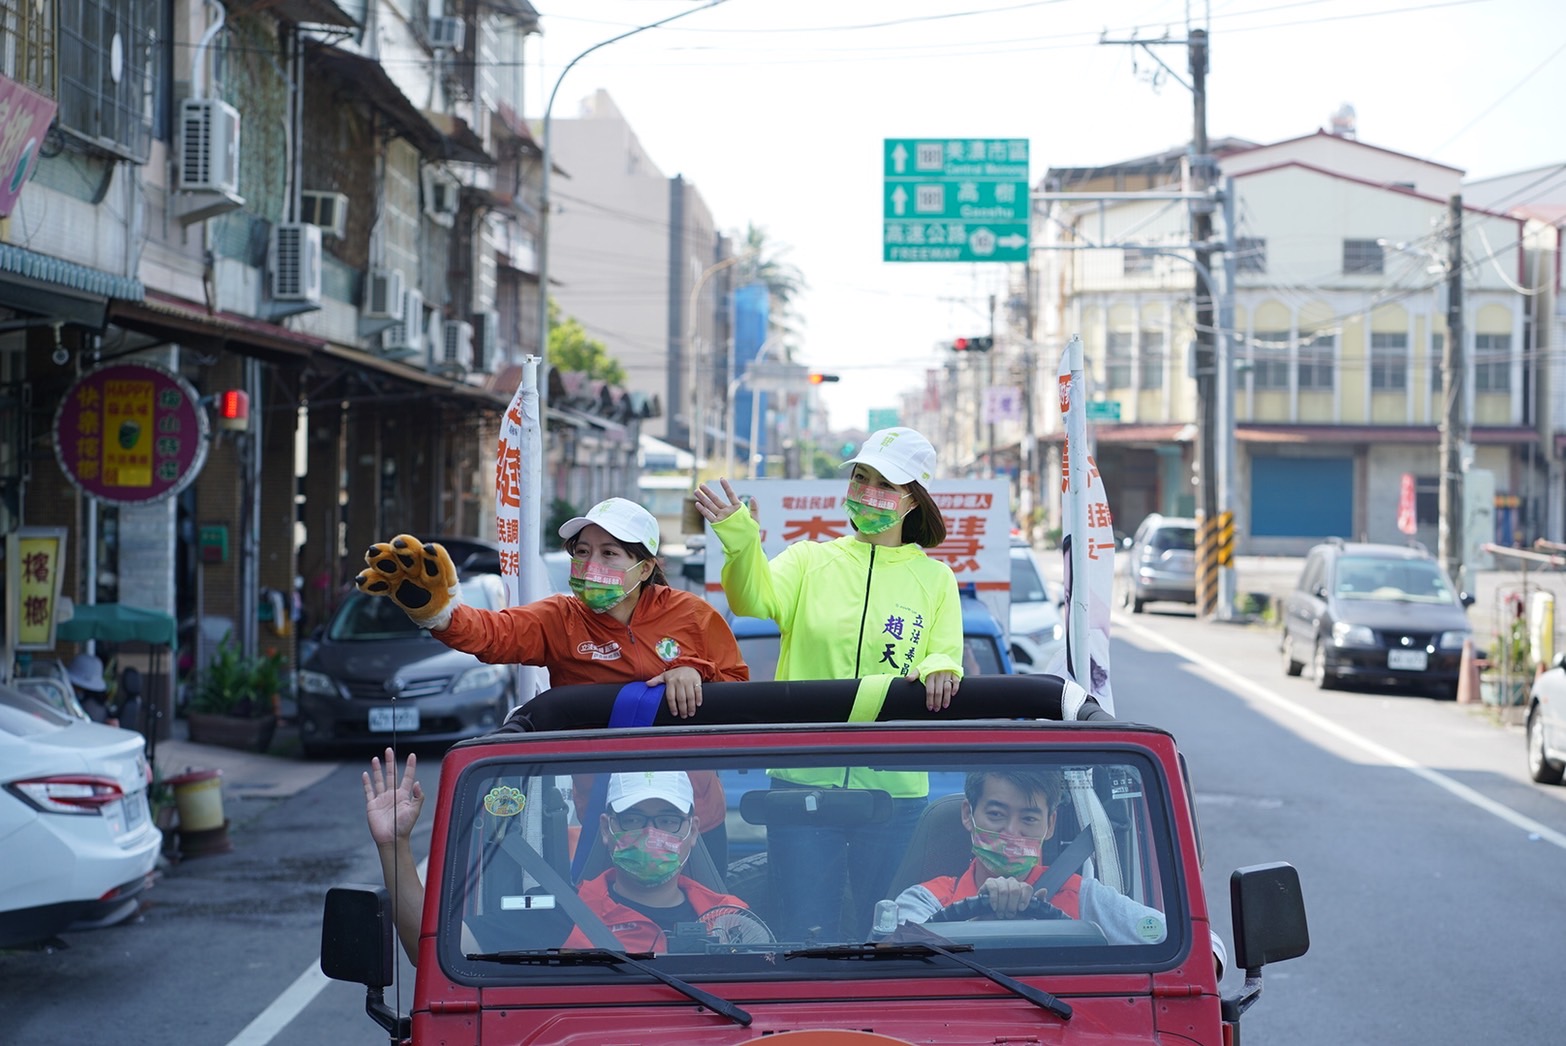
(978, 907)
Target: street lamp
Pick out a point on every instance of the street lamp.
(543, 192)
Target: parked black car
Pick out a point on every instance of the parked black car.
(373, 672)
(1375, 614)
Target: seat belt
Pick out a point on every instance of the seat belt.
(534, 864)
(1064, 866)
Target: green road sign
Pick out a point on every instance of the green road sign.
(882, 418)
(1103, 410)
(955, 200)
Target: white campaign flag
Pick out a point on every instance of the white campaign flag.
(1087, 542)
(519, 467)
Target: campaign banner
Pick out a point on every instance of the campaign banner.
(25, 116)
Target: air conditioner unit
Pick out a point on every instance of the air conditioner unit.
(296, 262)
(457, 346)
(208, 146)
(446, 34)
(382, 295)
(406, 336)
(486, 342)
(329, 210)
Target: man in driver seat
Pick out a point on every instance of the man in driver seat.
(1008, 815)
(649, 830)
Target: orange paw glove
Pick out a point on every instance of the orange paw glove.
(419, 578)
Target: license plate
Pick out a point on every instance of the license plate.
(1413, 660)
(398, 717)
(135, 811)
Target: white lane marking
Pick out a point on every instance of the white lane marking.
(270, 1022)
(1342, 733)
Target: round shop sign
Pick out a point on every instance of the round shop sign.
(130, 433)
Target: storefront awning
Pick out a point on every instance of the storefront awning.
(47, 286)
(418, 382)
(303, 12)
(191, 323)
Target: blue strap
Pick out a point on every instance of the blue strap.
(635, 705)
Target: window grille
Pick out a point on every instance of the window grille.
(1362, 258)
(107, 69)
(1388, 362)
(27, 44)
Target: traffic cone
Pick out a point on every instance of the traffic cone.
(1468, 676)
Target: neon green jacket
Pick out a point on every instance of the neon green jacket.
(847, 609)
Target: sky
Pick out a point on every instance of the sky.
(777, 111)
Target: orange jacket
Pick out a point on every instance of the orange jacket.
(951, 889)
(636, 932)
(669, 628)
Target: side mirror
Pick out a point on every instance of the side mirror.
(1466, 598)
(1269, 915)
(1125, 543)
(357, 936)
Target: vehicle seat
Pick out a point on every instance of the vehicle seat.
(940, 845)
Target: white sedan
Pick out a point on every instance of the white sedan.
(75, 825)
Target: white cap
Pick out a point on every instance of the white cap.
(626, 790)
(86, 671)
(900, 454)
(624, 519)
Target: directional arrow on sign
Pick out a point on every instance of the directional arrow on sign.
(899, 200)
(1013, 241)
(899, 159)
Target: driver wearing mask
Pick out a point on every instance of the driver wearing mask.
(649, 830)
(1008, 815)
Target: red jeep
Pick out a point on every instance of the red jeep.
(1108, 941)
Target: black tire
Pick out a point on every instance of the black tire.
(1136, 604)
(749, 879)
(1541, 767)
(1318, 669)
(1291, 667)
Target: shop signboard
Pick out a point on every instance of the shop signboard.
(34, 568)
(130, 433)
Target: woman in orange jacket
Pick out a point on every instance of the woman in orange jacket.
(622, 623)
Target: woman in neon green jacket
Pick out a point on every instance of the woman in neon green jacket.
(871, 604)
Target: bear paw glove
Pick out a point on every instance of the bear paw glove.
(419, 578)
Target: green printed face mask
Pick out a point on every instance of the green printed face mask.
(649, 856)
(872, 509)
(601, 588)
(1006, 854)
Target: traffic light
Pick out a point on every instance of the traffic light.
(817, 378)
(981, 343)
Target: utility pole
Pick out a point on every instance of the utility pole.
(989, 383)
(1454, 429)
(1206, 357)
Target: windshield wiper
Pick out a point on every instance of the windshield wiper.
(607, 957)
(916, 949)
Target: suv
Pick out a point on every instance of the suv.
(1375, 614)
(1160, 562)
(509, 950)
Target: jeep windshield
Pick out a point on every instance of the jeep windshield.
(728, 854)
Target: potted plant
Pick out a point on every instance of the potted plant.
(1510, 667)
(235, 702)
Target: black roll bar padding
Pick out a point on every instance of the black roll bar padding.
(807, 701)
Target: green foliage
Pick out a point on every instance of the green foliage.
(235, 685)
(571, 349)
(560, 510)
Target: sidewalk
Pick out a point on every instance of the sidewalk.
(246, 775)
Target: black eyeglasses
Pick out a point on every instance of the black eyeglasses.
(631, 821)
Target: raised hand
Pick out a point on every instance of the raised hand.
(391, 808)
(419, 578)
(715, 508)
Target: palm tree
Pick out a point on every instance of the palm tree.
(765, 264)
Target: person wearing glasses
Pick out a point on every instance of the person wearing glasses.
(649, 830)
